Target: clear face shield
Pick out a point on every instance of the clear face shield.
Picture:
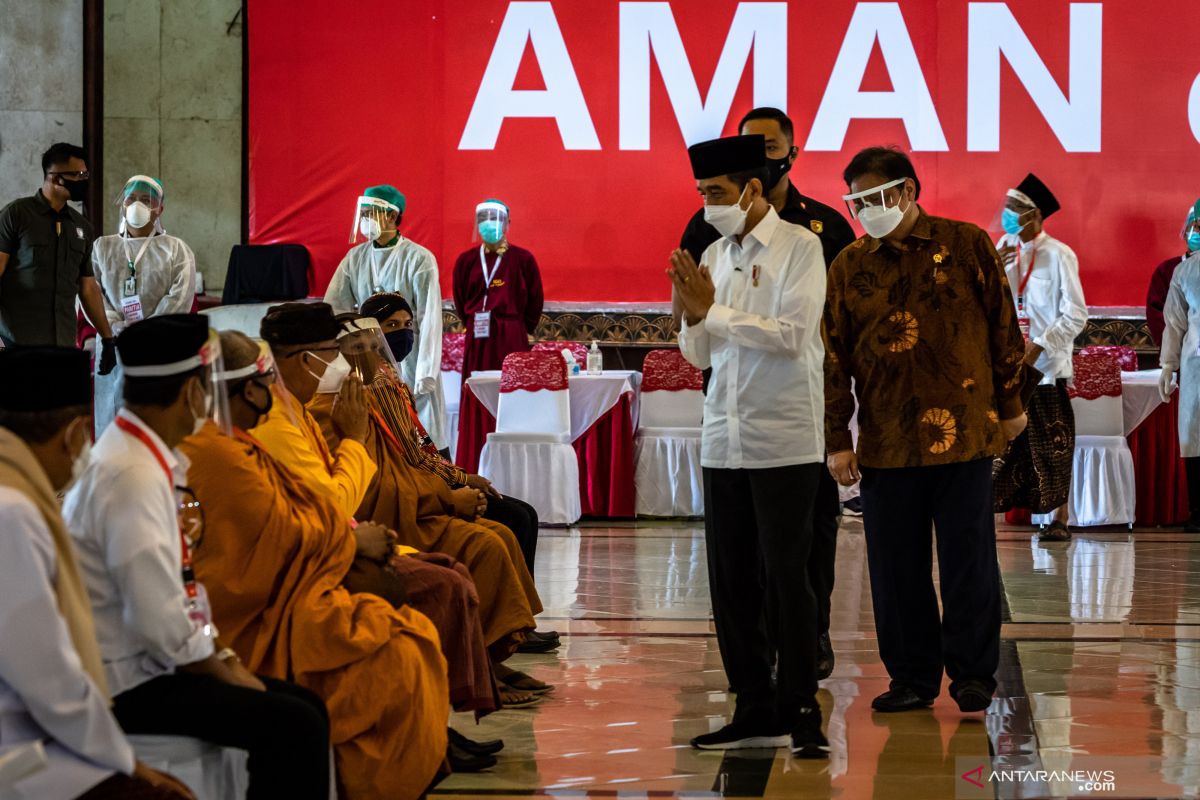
(232, 383)
(371, 219)
(491, 223)
(885, 196)
(139, 204)
(363, 344)
(209, 403)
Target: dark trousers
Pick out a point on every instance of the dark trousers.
(900, 509)
(519, 517)
(285, 730)
(827, 516)
(1192, 465)
(758, 531)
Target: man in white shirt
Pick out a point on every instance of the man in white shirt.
(389, 262)
(752, 314)
(1043, 274)
(52, 686)
(163, 665)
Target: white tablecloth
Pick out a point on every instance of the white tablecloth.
(592, 396)
(1139, 397)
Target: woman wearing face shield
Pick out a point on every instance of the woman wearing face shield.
(497, 292)
(1181, 354)
(1160, 281)
(142, 271)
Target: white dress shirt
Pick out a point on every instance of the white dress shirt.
(1053, 299)
(44, 693)
(766, 400)
(122, 515)
(409, 269)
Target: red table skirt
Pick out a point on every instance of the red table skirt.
(605, 453)
(1159, 474)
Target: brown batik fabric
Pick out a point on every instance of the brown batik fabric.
(1035, 472)
(927, 331)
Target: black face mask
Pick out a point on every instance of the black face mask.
(776, 169)
(262, 411)
(77, 189)
(400, 343)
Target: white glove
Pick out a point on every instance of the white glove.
(1166, 383)
(426, 385)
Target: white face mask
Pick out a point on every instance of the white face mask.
(729, 220)
(137, 215)
(330, 382)
(879, 221)
(370, 228)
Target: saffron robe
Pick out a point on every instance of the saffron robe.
(275, 553)
(418, 506)
(436, 586)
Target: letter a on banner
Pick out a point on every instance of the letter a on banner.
(761, 27)
(993, 32)
(562, 99)
(909, 101)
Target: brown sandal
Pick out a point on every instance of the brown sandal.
(512, 698)
(1055, 532)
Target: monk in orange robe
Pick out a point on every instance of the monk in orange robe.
(429, 515)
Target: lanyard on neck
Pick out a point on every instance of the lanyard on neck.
(1028, 275)
(189, 575)
(488, 276)
(132, 260)
(373, 266)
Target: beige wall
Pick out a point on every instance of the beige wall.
(173, 110)
(41, 87)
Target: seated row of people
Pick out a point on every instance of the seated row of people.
(327, 580)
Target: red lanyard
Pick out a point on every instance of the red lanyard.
(189, 576)
(1028, 275)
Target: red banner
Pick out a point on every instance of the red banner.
(577, 115)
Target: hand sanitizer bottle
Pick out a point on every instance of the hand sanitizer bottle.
(595, 359)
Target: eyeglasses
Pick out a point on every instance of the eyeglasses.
(76, 175)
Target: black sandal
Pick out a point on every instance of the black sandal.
(1055, 532)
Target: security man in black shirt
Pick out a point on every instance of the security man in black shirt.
(835, 234)
(46, 261)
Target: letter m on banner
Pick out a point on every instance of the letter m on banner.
(760, 28)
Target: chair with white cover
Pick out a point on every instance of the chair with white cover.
(1103, 490)
(530, 455)
(211, 772)
(668, 477)
(453, 355)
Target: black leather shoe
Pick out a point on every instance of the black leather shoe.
(462, 761)
(824, 657)
(972, 695)
(489, 748)
(899, 698)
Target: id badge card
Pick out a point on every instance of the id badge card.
(131, 308)
(129, 288)
(1025, 327)
(483, 324)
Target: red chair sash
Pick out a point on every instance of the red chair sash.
(1126, 356)
(1096, 375)
(669, 371)
(533, 371)
(578, 349)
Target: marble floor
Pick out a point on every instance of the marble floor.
(1099, 680)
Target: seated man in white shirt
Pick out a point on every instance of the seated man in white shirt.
(163, 665)
(1043, 274)
(52, 687)
(753, 314)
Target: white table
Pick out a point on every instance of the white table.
(592, 396)
(1139, 397)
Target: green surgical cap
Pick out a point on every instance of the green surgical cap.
(1194, 213)
(143, 183)
(388, 194)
